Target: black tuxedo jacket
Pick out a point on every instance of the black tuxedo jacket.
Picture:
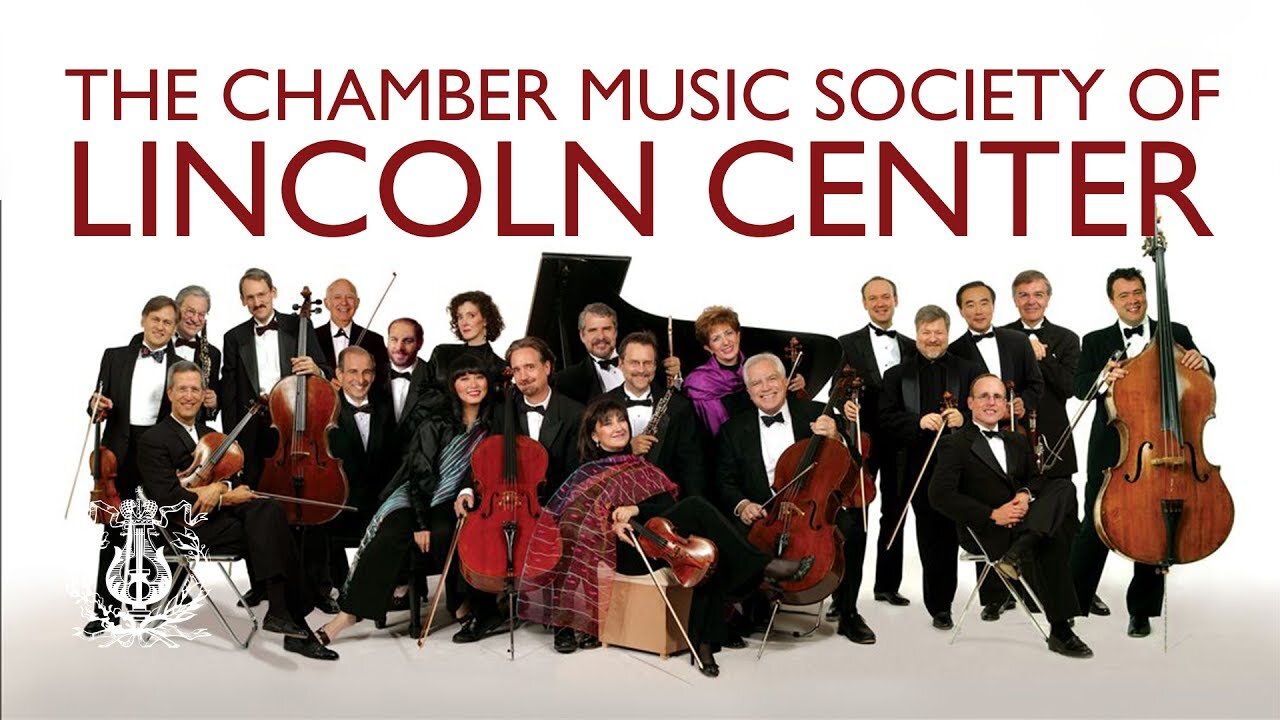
(1017, 363)
(558, 435)
(740, 472)
(1058, 368)
(580, 381)
(415, 410)
(372, 341)
(240, 363)
(859, 355)
(367, 469)
(215, 377)
(162, 451)
(116, 376)
(1104, 440)
(681, 450)
(968, 483)
(901, 405)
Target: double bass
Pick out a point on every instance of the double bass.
(303, 409)
(1163, 503)
(811, 480)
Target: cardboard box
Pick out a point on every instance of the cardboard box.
(635, 616)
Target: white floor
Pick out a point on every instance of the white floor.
(1223, 661)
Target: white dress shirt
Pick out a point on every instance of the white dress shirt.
(267, 348)
(146, 390)
(534, 419)
(997, 446)
(611, 376)
(340, 342)
(1136, 343)
(362, 419)
(639, 415)
(186, 352)
(775, 439)
(399, 390)
(886, 349)
(990, 352)
(1033, 329)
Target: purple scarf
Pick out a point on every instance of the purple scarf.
(706, 385)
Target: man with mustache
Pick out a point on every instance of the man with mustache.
(1133, 330)
(597, 373)
(911, 416)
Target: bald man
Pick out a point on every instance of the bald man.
(341, 332)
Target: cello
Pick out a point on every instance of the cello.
(811, 480)
(1162, 503)
(303, 409)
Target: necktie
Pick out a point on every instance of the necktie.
(157, 355)
(647, 402)
(991, 434)
(879, 332)
(365, 408)
(262, 329)
(769, 420)
(193, 343)
(979, 337)
(535, 408)
(606, 364)
(400, 376)
(341, 333)
(1136, 330)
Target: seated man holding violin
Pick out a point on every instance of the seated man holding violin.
(238, 521)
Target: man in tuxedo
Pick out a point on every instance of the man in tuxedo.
(986, 481)
(1002, 352)
(677, 446)
(541, 413)
(751, 443)
(871, 351)
(598, 372)
(257, 353)
(911, 417)
(237, 521)
(1131, 333)
(131, 400)
(410, 377)
(341, 332)
(365, 442)
(193, 311)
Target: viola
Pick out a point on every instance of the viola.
(1163, 502)
(217, 457)
(811, 481)
(303, 409)
(508, 470)
(864, 490)
(691, 559)
(104, 496)
(793, 353)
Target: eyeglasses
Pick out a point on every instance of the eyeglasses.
(989, 397)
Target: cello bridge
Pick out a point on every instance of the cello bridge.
(1173, 461)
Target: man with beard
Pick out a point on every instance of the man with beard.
(410, 377)
(598, 372)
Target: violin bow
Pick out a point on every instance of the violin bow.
(862, 461)
(444, 574)
(302, 501)
(1055, 451)
(919, 477)
(374, 314)
(663, 592)
(93, 417)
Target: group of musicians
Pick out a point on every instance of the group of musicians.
(407, 427)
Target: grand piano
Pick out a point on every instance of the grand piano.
(567, 283)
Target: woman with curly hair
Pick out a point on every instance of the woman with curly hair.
(475, 320)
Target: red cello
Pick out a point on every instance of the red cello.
(303, 409)
(811, 480)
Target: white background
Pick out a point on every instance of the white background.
(66, 298)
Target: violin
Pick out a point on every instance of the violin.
(508, 470)
(303, 409)
(1014, 425)
(1162, 503)
(104, 496)
(691, 559)
(865, 489)
(217, 457)
(793, 353)
(811, 481)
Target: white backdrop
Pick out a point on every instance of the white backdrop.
(65, 298)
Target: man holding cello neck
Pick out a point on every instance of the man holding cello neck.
(237, 522)
(1127, 291)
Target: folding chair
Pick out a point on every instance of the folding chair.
(988, 565)
(777, 609)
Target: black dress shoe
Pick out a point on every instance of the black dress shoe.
(893, 598)
(328, 605)
(1097, 607)
(942, 621)
(398, 603)
(309, 647)
(96, 627)
(991, 611)
(285, 626)
(779, 570)
(1139, 626)
(855, 628)
(474, 629)
(565, 640)
(1071, 646)
(708, 658)
(587, 642)
(253, 598)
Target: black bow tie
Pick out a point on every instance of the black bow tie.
(342, 332)
(979, 337)
(262, 329)
(1026, 330)
(157, 355)
(365, 408)
(606, 364)
(1130, 332)
(535, 408)
(400, 376)
(193, 343)
(647, 402)
(991, 434)
(769, 420)
(879, 332)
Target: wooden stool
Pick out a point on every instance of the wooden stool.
(635, 617)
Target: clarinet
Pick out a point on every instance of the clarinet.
(205, 368)
(658, 411)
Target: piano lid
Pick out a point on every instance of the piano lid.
(567, 283)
